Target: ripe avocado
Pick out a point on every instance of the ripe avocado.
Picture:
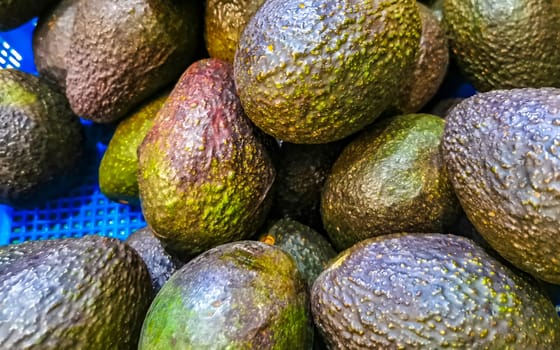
(317, 71)
(241, 295)
(118, 171)
(501, 151)
(123, 52)
(14, 13)
(429, 291)
(161, 265)
(310, 250)
(88, 293)
(504, 45)
(224, 20)
(41, 140)
(391, 178)
(204, 177)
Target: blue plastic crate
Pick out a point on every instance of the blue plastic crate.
(81, 210)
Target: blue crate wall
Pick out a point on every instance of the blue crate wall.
(80, 210)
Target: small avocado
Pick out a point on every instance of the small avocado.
(51, 41)
(118, 171)
(41, 140)
(14, 13)
(391, 178)
(240, 295)
(89, 293)
(505, 45)
(310, 250)
(317, 71)
(224, 21)
(205, 178)
(122, 52)
(429, 291)
(500, 149)
(161, 265)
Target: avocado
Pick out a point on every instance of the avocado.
(429, 291)
(122, 52)
(41, 140)
(391, 178)
(500, 149)
(317, 71)
(310, 249)
(431, 64)
(14, 13)
(443, 106)
(205, 178)
(118, 171)
(51, 41)
(89, 293)
(224, 20)
(240, 295)
(302, 172)
(505, 45)
(161, 265)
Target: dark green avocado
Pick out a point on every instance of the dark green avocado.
(89, 293)
(118, 171)
(241, 295)
(317, 71)
(429, 291)
(205, 178)
(14, 13)
(391, 178)
(41, 140)
(501, 151)
(122, 52)
(161, 265)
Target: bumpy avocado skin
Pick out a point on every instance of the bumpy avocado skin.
(204, 177)
(431, 64)
(241, 295)
(90, 293)
(14, 13)
(118, 171)
(391, 178)
(161, 265)
(41, 140)
(123, 52)
(505, 45)
(429, 291)
(224, 21)
(310, 250)
(318, 71)
(501, 151)
(51, 41)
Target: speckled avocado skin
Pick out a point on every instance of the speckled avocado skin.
(41, 140)
(505, 44)
(501, 149)
(241, 295)
(124, 51)
(204, 177)
(429, 291)
(389, 179)
(14, 13)
(118, 171)
(88, 293)
(317, 71)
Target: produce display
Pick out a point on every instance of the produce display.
(306, 176)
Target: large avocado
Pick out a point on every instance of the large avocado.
(89, 293)
(241, 295)
(41, 140)
(317, 71)
(501, 151)
(118, 171)
(429, 291)
(124, 51)
(14, 13)
(389, 179)
(204, 177)
(505, 44)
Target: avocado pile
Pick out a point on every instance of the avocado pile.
(306, 179)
